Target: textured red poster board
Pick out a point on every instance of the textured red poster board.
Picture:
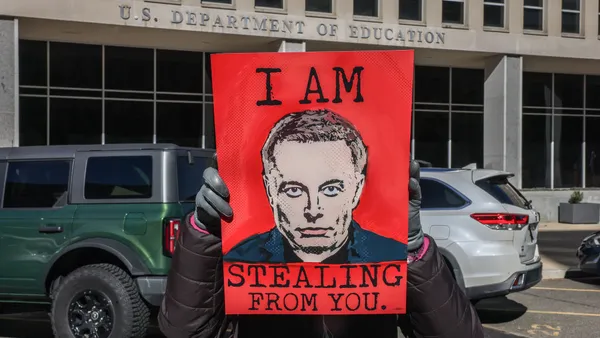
(279, 269)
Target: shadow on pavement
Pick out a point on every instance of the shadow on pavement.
(499, 310)
(583, 278)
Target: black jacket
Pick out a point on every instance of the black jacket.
(193, 306)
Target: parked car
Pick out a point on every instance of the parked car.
(485, 229)
(91, 229)
(588, 254)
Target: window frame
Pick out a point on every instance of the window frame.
(212, 4)
(465, 199)
(505, 16)
(544, 30)
(331, 14)
(465, 22)
(6, 168)
(378, 18)
(422, 4)
(579, 13)
(166, 2)
(274, 10)
(160, 193)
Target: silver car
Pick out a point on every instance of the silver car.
(485, 228)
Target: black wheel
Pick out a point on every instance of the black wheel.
(99, 301)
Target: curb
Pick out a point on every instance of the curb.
(569, 273)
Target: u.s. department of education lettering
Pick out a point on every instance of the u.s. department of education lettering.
(290, 28)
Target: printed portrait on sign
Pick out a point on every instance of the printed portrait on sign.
(314, 170)
(314, 148)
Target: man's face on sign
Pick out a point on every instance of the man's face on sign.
(313, 189)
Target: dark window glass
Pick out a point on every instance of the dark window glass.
(209, 127)
(207, 74)
(322, 6)
(179, 123)
(118, 177)
(219, 1)
(572, 5)
(366, 7)
(570, 22)
(32, 63)
(179, 71)
(453, 11)
(534, 3)
(437, 195)
(592, 89)
(537, 89)
(75, 65)
(129, 68)
(533, 19)
(432, 84)
(32, 121)
(269, 3)
(411, 10)
(129, 121)
(592, 151)
(500, 188)
(568, 138)
(467, 86)
(537, 135)
(75, 121)
(36, 184)
(568, 91)
(189, 176)
(493, 13)
(431, 137)
(467, 139)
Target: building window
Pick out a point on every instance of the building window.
(222, 2)
(556, 115)
(65, 98)
(453, 12)
(319, 6)
(494, 13)
(118, 177)
(533, 15)
(278, 4)
(37, 184)
(571, 16)
(448, 116)
(368, 8)
(411, 10)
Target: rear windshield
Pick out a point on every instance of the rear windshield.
(190, 176)
(501, 189)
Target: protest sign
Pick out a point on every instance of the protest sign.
(314, 148)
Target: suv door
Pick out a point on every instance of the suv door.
(35, 222)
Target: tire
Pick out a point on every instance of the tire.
(103, 293)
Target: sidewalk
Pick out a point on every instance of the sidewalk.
(549, 226)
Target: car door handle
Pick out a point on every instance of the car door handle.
(50, 229)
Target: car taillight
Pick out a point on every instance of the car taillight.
(501, 221)
(170, 235)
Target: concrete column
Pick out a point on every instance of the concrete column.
(9, 101)
(502, 115)
(292, 46)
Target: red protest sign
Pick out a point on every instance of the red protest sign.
(314, 148)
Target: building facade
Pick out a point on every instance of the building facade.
(508, 85)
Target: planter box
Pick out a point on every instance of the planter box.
(579, 213)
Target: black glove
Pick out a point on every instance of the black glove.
(415, 231)
(212, 203)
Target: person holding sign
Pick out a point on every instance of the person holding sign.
(313, 212)
(436, 305)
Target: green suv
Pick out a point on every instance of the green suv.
(91, 229)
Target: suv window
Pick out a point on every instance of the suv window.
(36, 184)
(437, 195)
(189, 176)
(503, 191)
(118, 177)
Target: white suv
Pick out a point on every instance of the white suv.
(485, 228)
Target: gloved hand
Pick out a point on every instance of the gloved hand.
(212, 203)
(415, 231)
